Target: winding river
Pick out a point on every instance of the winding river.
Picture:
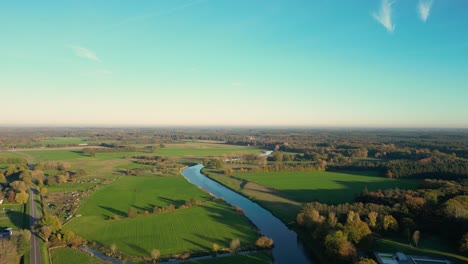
(287, 247)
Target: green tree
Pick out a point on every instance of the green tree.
(51, 221)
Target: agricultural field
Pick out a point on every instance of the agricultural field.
(11, 215)
(203, 149)
(72, 256)
(184, 230)
(256, 258)
(428, 246)
(323, 186)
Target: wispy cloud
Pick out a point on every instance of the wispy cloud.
(384, 15)
(424, 9)
(84, 53)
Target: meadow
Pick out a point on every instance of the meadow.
(324, 186)
(184, 230)
(11, 215)
(255, 258)
(204, 149)
(428, 246)
(72, 256)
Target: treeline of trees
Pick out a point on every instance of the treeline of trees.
(109, 148)
(342, 228)
(132, 212)
(12, 249)
(432, 167)
(16, 179)
(4, 160)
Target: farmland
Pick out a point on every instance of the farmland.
(200, 149)
(184, 230)
(256, 258)
(323, 186)
(72, 256)
(11, 215)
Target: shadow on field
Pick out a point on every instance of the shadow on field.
(347, 191)
(113, 211)
(79, 152)
(138, 249)
(18, 218)
(176, 203)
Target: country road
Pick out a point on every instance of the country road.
(35, 246)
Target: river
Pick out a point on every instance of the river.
(287, 249)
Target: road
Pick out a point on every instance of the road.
(35, 246)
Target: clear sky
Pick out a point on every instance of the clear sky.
(369, 63)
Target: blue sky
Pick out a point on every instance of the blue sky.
(370, 63)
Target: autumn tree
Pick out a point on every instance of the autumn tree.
(68, 237)
(214, 249)
(337, 246)
(113, 248)
(464, 244)
(372, 219)
(8, 251)
(132, 212)
(46, 231)
(366, 261)
(155, 253)
(22, 197)
(234, 245)
(416, 236)
(264, 242)
(390, 223)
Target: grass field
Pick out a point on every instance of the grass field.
(323, 186)
(72, 256)
(256, 258)
(201, 149)
(185, 230)
(428, 246)
(11, 215)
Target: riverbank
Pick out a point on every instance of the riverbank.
(288, 249)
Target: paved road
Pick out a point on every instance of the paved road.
(35, 246)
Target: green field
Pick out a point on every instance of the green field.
(72, 256)
(324, 186)
(256, 258)
(184, 230)
(142, 193)
(77, 154)
(11, 215)
(428, 246)
(200, 149)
